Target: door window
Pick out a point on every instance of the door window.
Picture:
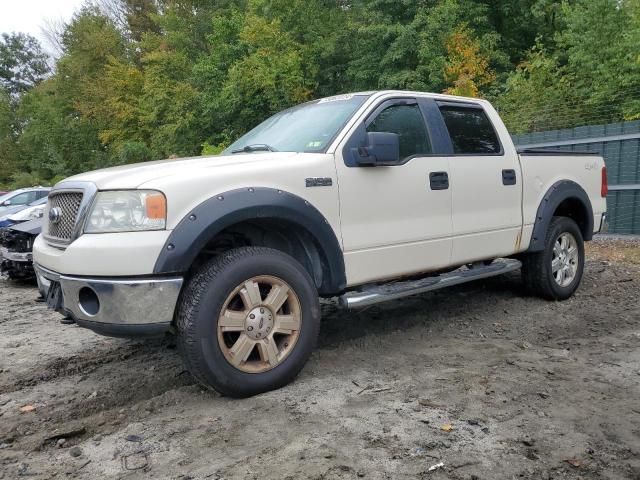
(470, 130)
(23, 198)
(406, 121)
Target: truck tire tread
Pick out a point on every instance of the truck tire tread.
(189, 309)
(536, 275)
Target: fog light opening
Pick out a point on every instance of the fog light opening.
(88, 301)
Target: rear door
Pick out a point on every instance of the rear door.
(486, 185)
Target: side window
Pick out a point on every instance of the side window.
(470, 130)
(23, 198)
(406, 121)
(41, 194)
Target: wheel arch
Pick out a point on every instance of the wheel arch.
(262, 217)
(565, 198)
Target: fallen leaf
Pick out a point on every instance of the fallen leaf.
(447, 427)
(574, 462)
(27, 409)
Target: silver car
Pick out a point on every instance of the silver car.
(17, 200)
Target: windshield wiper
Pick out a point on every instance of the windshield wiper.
(257, 147)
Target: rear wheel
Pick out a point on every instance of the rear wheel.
(248, 321)
(555, 273)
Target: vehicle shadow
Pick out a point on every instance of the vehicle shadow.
(432, 308)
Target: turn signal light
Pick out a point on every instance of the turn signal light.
(604, 187)
(156, 206)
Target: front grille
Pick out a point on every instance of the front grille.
(68, 204)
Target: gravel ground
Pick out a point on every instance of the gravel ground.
(493, 384)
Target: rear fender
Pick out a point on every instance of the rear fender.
(558, 193)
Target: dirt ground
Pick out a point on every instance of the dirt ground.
(493, 384)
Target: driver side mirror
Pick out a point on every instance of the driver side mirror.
(382, 149)
(6, 203)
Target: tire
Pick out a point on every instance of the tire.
(538, 272)
(215, 312)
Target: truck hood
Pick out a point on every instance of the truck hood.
(132, 176)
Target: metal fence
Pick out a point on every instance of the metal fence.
(619, 144)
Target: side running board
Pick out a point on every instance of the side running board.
(372, 294)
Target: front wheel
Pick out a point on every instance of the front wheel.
(555, 273)
(248, 321)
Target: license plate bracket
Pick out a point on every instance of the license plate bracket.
(54, 296)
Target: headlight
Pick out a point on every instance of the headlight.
(29, 213)
(127, 211)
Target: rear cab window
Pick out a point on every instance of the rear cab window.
(470, 130)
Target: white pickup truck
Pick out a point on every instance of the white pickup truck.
(364, 197)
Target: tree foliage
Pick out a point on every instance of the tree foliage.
(146, 79)
(467, 69)
(588, 73)
(23, 64)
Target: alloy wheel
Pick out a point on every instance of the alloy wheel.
(259, 324)
(564, 264)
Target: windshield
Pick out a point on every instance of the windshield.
(309, 127)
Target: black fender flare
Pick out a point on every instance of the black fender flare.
(558, 193)
(212, 216)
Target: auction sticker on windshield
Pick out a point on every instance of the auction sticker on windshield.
(337, 98)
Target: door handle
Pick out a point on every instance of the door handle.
(508, 177)
(439, 180)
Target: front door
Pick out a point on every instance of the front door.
(395, 220)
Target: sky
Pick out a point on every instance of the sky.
(29, 16)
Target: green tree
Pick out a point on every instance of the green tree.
(170, 105)
(55, 139)
(539, 95)
(522, 23)
(269, 77)
(59, 128)
(588, 74)
(146, 79)
(404, 44)
(23, 64)
(7, 137)
(601, 48)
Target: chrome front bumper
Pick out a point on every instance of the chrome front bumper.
(116, 306)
